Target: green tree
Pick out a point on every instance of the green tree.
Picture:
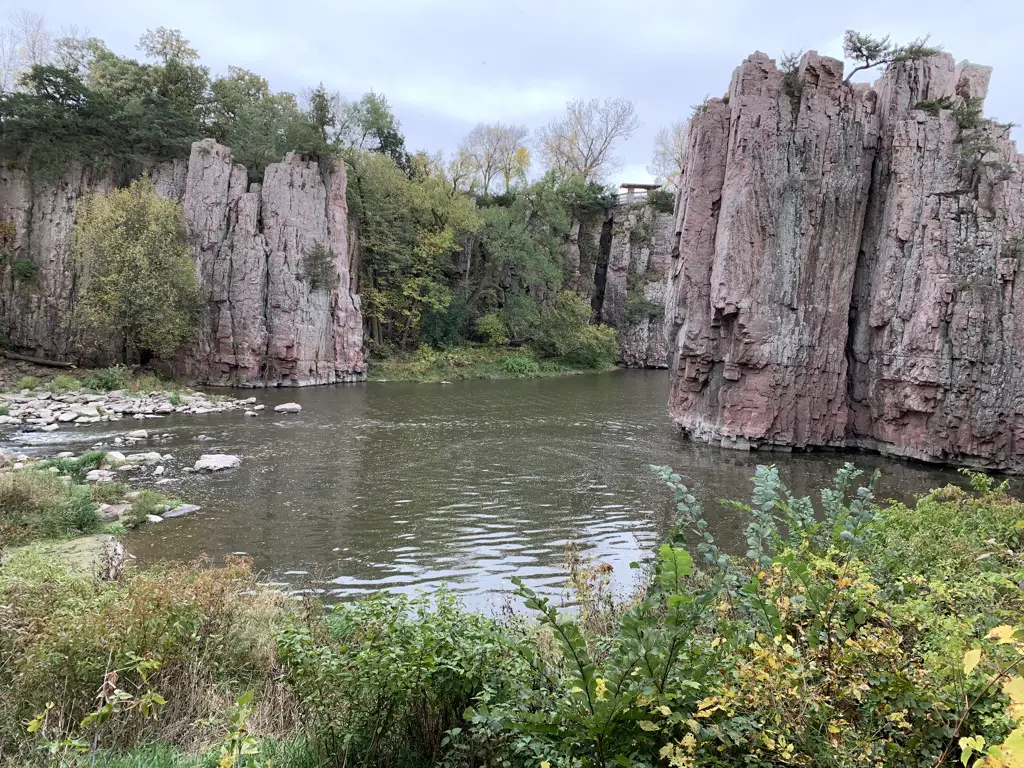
(139, 290)
(409, 231)
(370, 124)
(253, 121)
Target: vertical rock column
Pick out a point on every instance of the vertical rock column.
(763, 360)
(937, 341)
(270, 322)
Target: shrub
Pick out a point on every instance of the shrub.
(146, 383)
(493, 329)
(704, 668)
(661, 200)
(107, 379)
(79, 466)
(107, 493)
(63, 383)
(24, 270)
(36, 504)
(4, 410)
(443, 328)
(148, 503)
(27, 382)
(318, 268)
(390, 675)
(567, 335)
(560, 326)
(519, 364)
(205, 633)
(596, 346)
(639, 308)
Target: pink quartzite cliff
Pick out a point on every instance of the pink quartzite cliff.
(844, 266)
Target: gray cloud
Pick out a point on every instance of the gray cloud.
(448, 64)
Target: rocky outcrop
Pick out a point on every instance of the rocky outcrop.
(618, 261)
(272, 259)
(844, 266)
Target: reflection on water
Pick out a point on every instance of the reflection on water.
(400, 486)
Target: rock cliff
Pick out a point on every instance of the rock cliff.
(618, 261)
(272, 259)
(844, 262)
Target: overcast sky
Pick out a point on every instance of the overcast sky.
(446, 65)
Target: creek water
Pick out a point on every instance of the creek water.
(409, 486)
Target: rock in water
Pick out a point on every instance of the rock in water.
(181, 510)
(844, 269)
(288, 408)
(216, 462)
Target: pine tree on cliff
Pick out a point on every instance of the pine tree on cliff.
(869, 52)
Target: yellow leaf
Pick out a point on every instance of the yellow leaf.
(664, 710)
(971, 659)
(647, 725)
(1014, 689)
(1003, 634)
(545, 764)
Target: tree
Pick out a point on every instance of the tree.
(322, 111)
(371, 125)
(669, 153)
(869, 52)
(167, 45)
(410, 228)
(513, 155)
(139, 290)
(483, 147)
(580, 143)
(24, 43)
(253, 121)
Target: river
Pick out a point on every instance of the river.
(410, 486)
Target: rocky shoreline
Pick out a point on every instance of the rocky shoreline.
(45, 411)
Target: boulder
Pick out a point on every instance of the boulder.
(99, 476)
(113, 459)
(288, 408)
(216, 462)
(181, 510)
(137, 434)
(150, 457)
(111, 513)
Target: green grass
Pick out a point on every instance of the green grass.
(38, 505)
(79, 466)
(469, 362)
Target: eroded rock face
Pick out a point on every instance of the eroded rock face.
(271, 320)
(617, 261)
(267, 323)
(844, 267)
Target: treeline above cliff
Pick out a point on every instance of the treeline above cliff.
(446, 250)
